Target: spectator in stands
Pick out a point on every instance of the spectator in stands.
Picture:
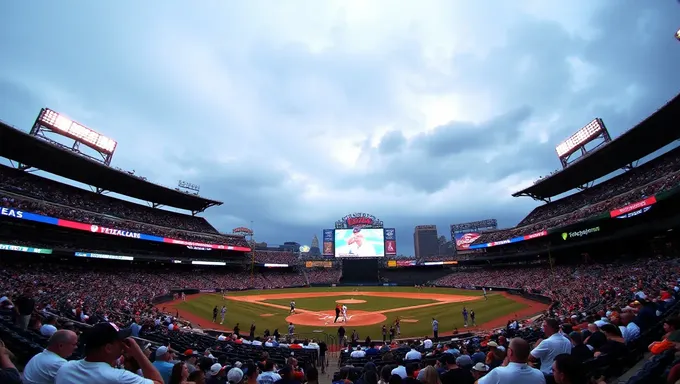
(43, 367)
(8, 372)
(579, 351)
(164, 362)
(104, 344)
(180, 374)
(553, 345)
(217, 374)
(268, 375)
(413, 354)
(49, 327)
(615, 346)
(455, 374)
(479, 370)
(191, 357)
(24, 306)
(629, 329)
(567, 370)
(251, 373)
(235, 376)
(517, 370)
(311, 376)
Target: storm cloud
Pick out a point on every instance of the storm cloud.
(295, 114)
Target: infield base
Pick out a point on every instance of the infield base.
(325, 318)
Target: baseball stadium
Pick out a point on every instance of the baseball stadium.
(72, 259)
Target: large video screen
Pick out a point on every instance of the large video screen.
(360, 242)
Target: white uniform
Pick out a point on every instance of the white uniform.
(224, 312)
(292, 306)
(344, 313)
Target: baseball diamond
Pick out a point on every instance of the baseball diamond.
(368, 308)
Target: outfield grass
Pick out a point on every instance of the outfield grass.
(448, 315)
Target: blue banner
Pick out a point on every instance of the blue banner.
(328, 242)
(390, 234)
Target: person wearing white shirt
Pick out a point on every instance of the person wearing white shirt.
(104, 344)
(517, 371)
(357, 354)
(413, 354)
(427, 344)
(629, 329)
(554, 344)
(400, 371)
(43, 367)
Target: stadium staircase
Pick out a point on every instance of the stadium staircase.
(304, 273)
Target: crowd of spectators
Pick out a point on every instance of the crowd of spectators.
(275, 257)
(609, 306)
(45, 208)
(323, 275)
(72, 203)
(658, 175)
(576, 288)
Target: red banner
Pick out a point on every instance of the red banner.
(631, 207)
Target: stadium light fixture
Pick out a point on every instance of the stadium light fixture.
(677, 34)
(582, 136)
(71, 128)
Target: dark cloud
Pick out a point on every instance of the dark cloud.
(272, 126)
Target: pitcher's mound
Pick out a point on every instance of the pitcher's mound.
(325, 318)
(350, 301)
(267, 315)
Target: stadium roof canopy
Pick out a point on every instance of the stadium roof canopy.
(32, 151)
(655, 132)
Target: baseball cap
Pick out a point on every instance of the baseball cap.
(216, 368)
(464, 361)
(105, 333)
(162, 350)
(492, 344)
(235, 375)
(191, 352)
(481, 367)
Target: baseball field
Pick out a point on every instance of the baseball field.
(368, 308)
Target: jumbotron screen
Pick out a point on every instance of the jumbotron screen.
(360, 242)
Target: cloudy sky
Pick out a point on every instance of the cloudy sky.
(295, 113)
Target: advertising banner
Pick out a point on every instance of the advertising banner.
(406, 263)
(18, 214)
(19, 248)
(319, 264)
(463, 240)
(586, 232)
(391, 263)
(390, 241)
(633, 207)
(328, 241)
